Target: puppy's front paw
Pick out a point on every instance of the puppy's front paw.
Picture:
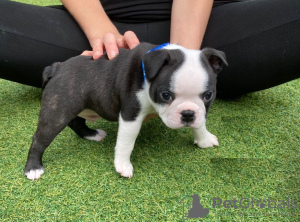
(34, 174)
(124, 168)
(209, 140)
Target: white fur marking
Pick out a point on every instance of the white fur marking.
(191, 78)
(203, 138)
(98, 137)
(188, 82)
(127, 134)
(34, 174)
(174, 46)
(145, 101)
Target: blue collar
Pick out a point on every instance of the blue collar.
(157, 48)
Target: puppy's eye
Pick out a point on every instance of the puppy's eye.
(167, 96)
(207, 96)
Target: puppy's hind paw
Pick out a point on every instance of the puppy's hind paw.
(34, 174)
(209, 140)
(124, 169)
(99, 136)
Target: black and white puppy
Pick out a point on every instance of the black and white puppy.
(178, 84)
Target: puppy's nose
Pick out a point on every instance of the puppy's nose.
(187, 116)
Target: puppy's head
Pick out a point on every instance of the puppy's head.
(182, 83)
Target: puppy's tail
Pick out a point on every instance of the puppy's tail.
(49, 72)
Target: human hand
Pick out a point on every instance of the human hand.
(90, 15)
(111, 42)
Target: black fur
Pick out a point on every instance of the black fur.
(80, 128)
(49, 71)
(108, 88)
(213, 61)
(83, 83)
(154, 61)
(161, 75)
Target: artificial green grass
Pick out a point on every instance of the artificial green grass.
(40, 2)
(258, 157)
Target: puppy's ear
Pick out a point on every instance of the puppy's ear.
(49, 72)
(154, 61)
(215, 58)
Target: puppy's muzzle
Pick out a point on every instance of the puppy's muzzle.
(187, 117)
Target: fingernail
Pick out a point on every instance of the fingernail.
(112, 54)
(96, 55)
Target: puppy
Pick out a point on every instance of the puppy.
(176, 83)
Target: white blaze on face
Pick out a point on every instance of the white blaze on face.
(188, 84)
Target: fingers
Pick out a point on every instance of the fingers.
(97, 49)
(121, 42)
(131, 39)
(111, 43)
(111, 46)
(87, 53)
(108, 43)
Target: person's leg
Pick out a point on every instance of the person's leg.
(33, 37)
(261, 41)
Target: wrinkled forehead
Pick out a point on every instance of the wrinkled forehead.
(191, 78)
